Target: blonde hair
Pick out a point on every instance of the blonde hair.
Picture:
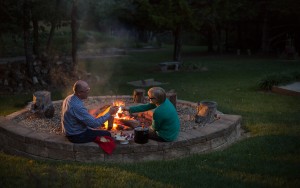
(159, 94)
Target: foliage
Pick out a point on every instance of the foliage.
(228, 24)
(275, 79)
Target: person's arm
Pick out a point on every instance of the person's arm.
(156, 121)
(83, 116)
(141, 108)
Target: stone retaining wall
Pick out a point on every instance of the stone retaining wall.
(20, 140)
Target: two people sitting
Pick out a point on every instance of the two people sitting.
(80, 127)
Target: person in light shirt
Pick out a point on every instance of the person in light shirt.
(77, 124)
(165, 121)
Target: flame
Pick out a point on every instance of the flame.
(119, 115)
(118, 103)
(106, 126)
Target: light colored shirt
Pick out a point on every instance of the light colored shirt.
(75, 118)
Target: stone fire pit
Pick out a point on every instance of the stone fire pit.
(26, 134)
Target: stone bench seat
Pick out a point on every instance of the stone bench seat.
(167, 66)
(20, 140)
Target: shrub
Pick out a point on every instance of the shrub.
(275, 79)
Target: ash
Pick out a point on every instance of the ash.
(53, 125)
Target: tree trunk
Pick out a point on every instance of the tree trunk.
(51, 33)
(226, 39)
(26, 31)
(239, 37)
(177, 43)
(142, 35)
(74, 28)
(210, 47)
(36, 41)
(219, 38)
(53, 25)
(264, 40)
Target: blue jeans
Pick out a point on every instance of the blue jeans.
(88, 136)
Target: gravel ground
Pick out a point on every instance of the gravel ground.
(52, 125)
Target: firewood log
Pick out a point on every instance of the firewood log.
(128, 122)
(97, 112)
(101, 112)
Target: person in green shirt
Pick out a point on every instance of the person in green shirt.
(165, 121)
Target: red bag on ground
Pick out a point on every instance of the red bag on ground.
(107, 143)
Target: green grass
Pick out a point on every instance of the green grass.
(270, 158)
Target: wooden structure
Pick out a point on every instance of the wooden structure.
(172, 96)
(138, 95)
(169, 66)
(206, 111)
(42, 104)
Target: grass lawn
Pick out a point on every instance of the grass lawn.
(269, 158)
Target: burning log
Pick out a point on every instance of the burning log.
(110, 123)
(120, 121)
(206, 112)
(102, 111)
(128, 122)
(122, 127)
(138, 95)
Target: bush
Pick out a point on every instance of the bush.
(275, 79)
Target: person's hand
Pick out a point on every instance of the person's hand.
(113, 110)
(124, 108)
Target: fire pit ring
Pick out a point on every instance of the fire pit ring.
(16, 138)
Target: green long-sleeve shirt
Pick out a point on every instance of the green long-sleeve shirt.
(165, 120)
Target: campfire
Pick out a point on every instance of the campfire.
(123, 127)
(123, 121)
(190, 114)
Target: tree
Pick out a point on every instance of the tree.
(280, 20)
(104, 15)
(160, 16)
(53, 22)
(38, 14)
(173, 15)
(26, 30)
(74, 28)
(11, 17)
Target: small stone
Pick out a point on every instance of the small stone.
(49, 112)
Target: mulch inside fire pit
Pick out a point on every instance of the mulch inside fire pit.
(53, 125)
